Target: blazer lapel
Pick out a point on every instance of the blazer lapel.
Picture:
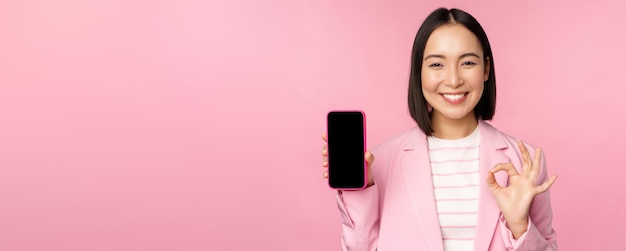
(491, 145)
(417, 175)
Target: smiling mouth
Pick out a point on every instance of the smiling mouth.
(454, 96)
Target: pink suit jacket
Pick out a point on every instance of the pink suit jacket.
(399, 211)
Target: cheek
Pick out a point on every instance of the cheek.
(429, 81)
(478, 81)
(478, 74)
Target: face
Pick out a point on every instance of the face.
(453, 72)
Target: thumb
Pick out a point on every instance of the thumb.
(369, 158)
(491, 182)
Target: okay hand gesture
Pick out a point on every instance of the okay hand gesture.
(514, 200)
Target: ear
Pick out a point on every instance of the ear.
(487, 68)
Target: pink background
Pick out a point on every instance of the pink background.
(195, 125)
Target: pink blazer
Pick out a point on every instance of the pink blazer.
(399, 212)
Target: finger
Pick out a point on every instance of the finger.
(534, 171)
(507, 167)
(324, 157)
(526, 162)
(325, 137)
(491, 182)
(325, 175)
(546, 185)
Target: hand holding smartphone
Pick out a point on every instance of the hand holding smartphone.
(347, 168)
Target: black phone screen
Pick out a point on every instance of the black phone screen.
(346, 150)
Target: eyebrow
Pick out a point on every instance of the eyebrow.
(469, 54)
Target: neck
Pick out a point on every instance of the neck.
(446, 128)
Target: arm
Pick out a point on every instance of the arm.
(360, 218)
(360, 210)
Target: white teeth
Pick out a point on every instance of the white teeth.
(453, 97)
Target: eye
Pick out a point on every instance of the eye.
(435, 65)
(468, 63)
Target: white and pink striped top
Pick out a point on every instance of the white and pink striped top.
(455, 171)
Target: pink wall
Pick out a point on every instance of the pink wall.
(195, 125)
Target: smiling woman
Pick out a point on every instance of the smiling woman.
(454, 46)
(438, 186)
(454, 71)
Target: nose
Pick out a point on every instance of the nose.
(454, 77)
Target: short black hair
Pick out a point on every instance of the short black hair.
(418, 107)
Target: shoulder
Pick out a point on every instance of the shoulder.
(397, 142)
(507, 144)
(387, 153)
(500, 138)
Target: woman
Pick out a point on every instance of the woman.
(454, 182)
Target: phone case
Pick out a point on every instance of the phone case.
(364, 150)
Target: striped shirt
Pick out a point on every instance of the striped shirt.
(455, 173)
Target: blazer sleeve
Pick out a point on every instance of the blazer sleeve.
(361, 210)
(360, 218)
(539, 235)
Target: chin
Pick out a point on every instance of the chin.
(456, 115)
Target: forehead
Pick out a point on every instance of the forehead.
(452, 39)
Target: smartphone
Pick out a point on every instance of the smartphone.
(347, 169)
